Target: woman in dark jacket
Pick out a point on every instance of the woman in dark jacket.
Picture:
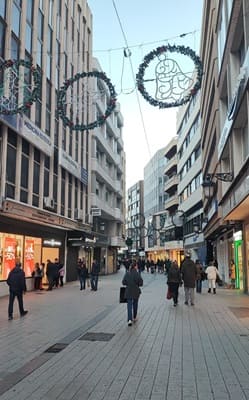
(174, 280)
(132, 280)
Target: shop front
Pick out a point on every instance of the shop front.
(33, 235)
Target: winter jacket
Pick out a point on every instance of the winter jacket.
(95, 268)
(189, 273)
(174, 275)
(212, 272)
(16, 280)
(132, 280)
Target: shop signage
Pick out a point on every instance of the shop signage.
(67, 162)
(34, 135)
(51, 243)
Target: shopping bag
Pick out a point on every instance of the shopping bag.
(169, 294)
(122, 298)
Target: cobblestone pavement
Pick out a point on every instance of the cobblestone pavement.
(76, 345)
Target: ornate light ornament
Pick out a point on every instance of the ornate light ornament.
(17, 91)
(62, 101)
(173, 87)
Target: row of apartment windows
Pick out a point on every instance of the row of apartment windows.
(108, 196)
(189, 136)
(190, 162)
(32, 160)
(191, 188)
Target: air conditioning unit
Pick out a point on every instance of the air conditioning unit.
(78, 214)
(89, 219)
(48, 203)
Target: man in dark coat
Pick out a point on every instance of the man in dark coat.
(17, 286)
(95, 275)
(189, 273)
(52, 273)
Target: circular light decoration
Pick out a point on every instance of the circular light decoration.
(173, 87)
(16, 86)
(62, 102)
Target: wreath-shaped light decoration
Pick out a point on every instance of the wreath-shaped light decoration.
(61, 104)
(9, 104)
(160, 52)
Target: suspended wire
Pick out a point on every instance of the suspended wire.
(134, 80)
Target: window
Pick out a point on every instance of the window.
(29, 15)
(36, 178)
(46, 176)
(16, 14)
(14, 48)
(2, 37)
(11, 164)
(3, 8)
(28, 39)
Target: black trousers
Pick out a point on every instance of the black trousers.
(12, 296)
(174, 288)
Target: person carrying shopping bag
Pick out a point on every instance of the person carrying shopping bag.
(132, 280)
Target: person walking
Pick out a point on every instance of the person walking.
(132, 280)
(51, 272)
(37, 274)
(61, 275)
(199, 276)
(82, 273)
(212, 273)
(174, 280)
(58, 267)
(95, 275)
(189, 272)
(17, 286)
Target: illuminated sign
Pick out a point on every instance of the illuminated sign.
(51, 243)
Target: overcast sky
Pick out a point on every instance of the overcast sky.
(143, 25)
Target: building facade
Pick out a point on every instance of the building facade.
(173, 234)
(46, 192)
(107, 183)
(154, 200)
(224, 113)
(135, 221)
(189, 170)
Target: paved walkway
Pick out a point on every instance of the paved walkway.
(76, 345)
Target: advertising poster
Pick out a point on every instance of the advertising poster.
(9, 256)
(29, 257)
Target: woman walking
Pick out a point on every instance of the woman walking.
(174, 280)
(132, 280)
(212, 273)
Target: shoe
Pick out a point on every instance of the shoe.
(175, 304)
(186, 303)
(10, 318)
(134, 319)
(129, 323)
(209, 290)
(24, 313)
(192, 304)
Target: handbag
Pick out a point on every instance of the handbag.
(122, 298)
(169, 294)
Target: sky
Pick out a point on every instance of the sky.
(140, 26)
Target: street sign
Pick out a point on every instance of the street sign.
(96, 212)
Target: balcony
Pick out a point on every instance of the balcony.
(171, 202)
(170, 164)
(173, 181)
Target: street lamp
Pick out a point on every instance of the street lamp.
(209, 185)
